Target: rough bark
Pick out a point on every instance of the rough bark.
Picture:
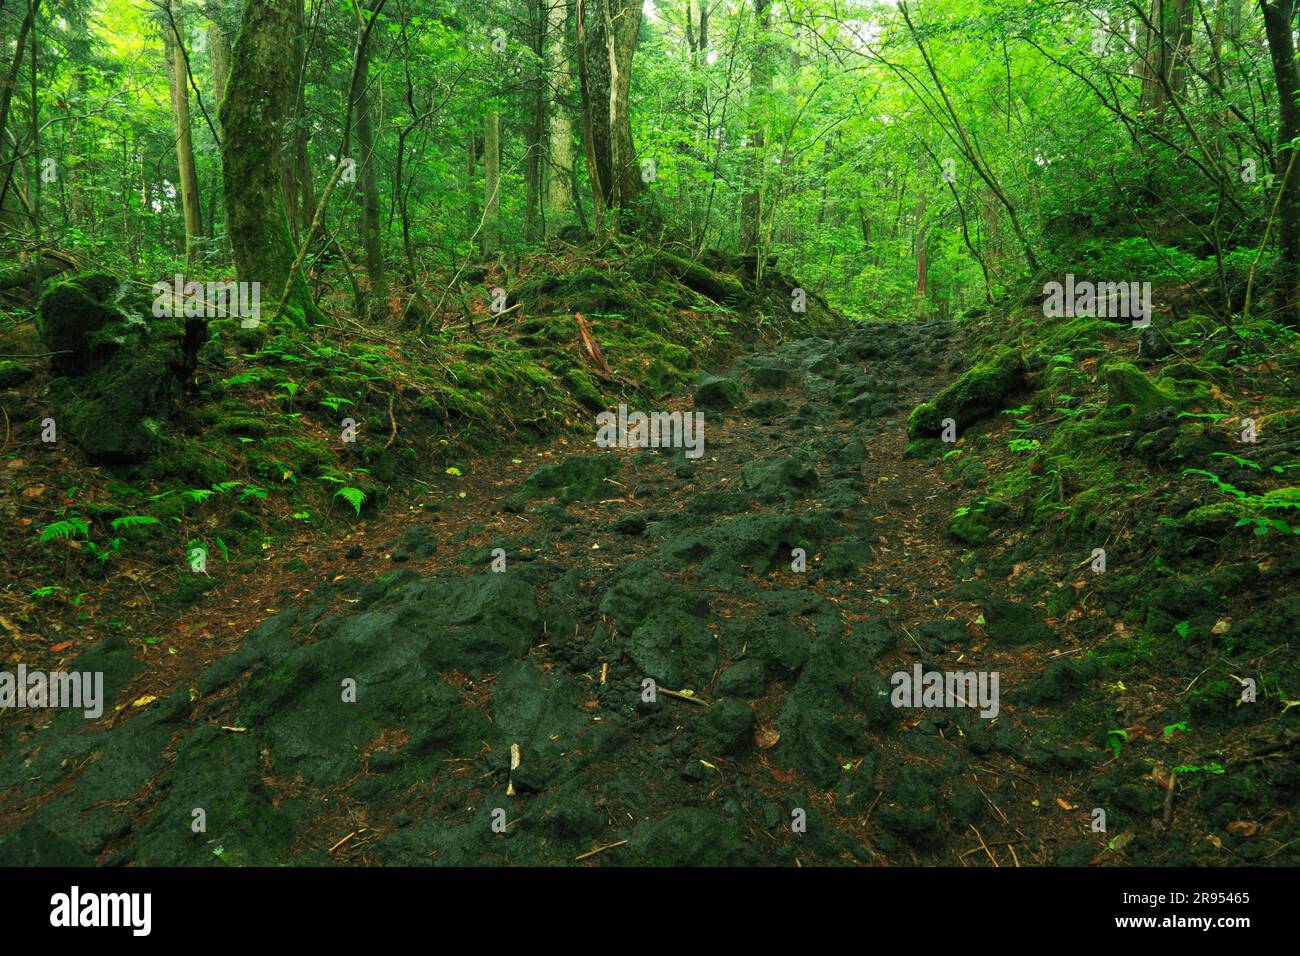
(1281, 45)
(490, 235)
(253, 114)
(559, 132)
(611, 28)
(760, 84)
(173, 24)
(369, 166)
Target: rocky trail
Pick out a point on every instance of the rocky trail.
(682, 661)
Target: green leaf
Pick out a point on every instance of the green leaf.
(69, 527)
(353, 496)
(132, 521)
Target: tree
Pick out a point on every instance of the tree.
(1278, 15)
(558, 172)
(368, 164)
(258, 101)
(760, 86)
(610, 29)
(173, 27)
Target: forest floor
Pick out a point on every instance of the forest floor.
(390, 698)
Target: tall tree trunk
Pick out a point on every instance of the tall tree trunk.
(559, 133)
(537, 120)
(472, 208)
(9, 211)
(219, 69)
(219, 65)
(760, 84)
(369, 164)
(611, 29)
(34, 135)
(258, 101)
(490, 236)
(1286, 75)
(591, 130)
(178, 78)
(921, 248)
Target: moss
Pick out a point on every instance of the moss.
(1080, 332)
(718, 286)
(1127, 386)
(1213, 519)
(927, 449)
(1186, 391)
(583, 389)
(249, 427)
(973, 524)
(978, 392)
(13, 374)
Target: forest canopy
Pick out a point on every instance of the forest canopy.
(894, 156)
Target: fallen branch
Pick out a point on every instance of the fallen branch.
(599, 849)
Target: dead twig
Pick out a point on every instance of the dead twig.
(599, 849)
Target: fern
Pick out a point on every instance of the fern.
(69, 527)
(132, 521)
(197, 495)
(353, 496)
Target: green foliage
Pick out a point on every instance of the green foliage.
(353, 496)
(64, 529)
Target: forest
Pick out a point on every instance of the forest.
(649, 433)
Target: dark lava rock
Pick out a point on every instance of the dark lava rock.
(717, 391)
(573, 479)
(726, 728)
(119, 373)
(768, 376)
(692, 837)
(13, 374)
(747, 678)
(980, 391)
(1009, 622)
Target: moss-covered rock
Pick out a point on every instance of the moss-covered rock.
(120, 372)
(1127, 385)
(70, 313)
(571, 480)
(13, 374)
(717, 391)
(978, 392)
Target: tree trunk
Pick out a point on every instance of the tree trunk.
(258, 101)
(920, 244)
(490, 236)
(590, 128)
(611, 31)
(1281, 47)
(369, 164)
(178, 78)
(559, 132)
(760, 84)
(219, 64)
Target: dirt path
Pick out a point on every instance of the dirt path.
(654, 677)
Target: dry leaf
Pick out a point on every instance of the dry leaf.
(1245, 828)
(144, 701)
(1063, 804)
